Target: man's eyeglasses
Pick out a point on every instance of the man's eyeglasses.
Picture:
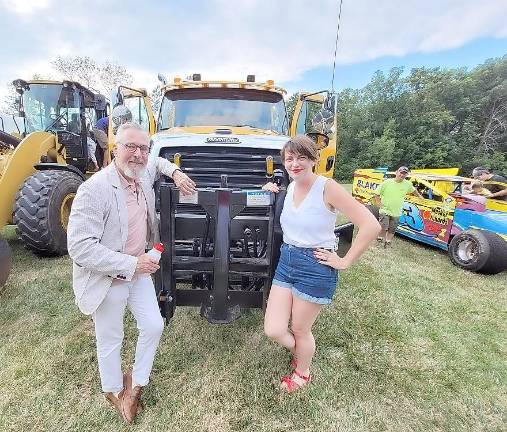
(131, 148)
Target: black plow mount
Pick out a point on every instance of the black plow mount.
(222, 246)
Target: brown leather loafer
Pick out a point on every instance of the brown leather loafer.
(116, 402)
(130, 402)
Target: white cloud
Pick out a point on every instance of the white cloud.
(280, 39)
(24, 7)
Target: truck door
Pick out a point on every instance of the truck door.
(139, 104)
(315, 116)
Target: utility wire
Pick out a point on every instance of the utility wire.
(336, 43)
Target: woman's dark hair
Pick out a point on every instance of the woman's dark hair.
(302, 145)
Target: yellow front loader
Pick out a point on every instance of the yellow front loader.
(41, 172)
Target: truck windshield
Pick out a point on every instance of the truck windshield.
(51, 105)
(223, 107)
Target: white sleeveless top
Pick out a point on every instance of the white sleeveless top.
(311, 224)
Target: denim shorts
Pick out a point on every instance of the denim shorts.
(308, 279)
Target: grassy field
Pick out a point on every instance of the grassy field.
(410, 343)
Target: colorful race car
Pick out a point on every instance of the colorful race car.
(472, 228)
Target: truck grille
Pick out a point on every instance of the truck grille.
(245, 167)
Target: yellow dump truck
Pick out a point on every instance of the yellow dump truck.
(227, 135)
(237, 128)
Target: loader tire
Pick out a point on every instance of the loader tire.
(5, 262)
(479, 251)
(42, 209)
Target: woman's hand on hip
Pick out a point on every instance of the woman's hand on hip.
(331, 259)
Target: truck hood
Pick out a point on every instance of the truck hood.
(272, 142)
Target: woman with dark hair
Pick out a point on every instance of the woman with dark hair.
(306, 276)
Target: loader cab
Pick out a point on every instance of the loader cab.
(65, 109)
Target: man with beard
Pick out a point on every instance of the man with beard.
(112, 223)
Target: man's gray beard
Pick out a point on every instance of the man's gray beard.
(131, 173)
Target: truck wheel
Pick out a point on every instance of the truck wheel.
(479, 251)
(5, 262)
(42, 209)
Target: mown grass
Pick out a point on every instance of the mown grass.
(410, 343)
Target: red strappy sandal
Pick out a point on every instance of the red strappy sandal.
(291, 385)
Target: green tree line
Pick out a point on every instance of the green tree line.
(428, 118)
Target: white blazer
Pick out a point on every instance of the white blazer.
(98, 229)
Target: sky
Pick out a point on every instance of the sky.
(290, 41)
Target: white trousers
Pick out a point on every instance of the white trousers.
(139, 296)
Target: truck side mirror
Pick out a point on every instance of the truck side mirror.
(121, 114)
(323, 121)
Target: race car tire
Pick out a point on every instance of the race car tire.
(479, 251)
(42, 208)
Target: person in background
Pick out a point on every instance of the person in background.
(479, 189)
(307, 273)
(498, 192)
(389, 197)
(92, 147)
(103, 124)
(100, 131)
